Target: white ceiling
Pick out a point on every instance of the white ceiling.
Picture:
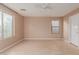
(38, 9)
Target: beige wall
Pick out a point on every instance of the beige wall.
(65, 27)
(40, 27)
(19, 23)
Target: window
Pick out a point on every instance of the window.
(55, 26)
(6, 25)
(0, 25)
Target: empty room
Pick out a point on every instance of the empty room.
(39, 28)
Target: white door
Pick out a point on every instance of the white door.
(74, 29)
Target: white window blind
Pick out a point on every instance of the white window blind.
(55, 26)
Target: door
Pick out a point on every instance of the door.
(74, 29)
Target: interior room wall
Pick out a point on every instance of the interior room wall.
(19, 27)
(65, 27)
(40, 28)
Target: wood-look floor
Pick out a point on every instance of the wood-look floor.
(42, 47)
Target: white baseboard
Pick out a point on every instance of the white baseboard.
(43, 38)
(13, 44)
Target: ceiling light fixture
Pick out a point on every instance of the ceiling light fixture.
(44, 6)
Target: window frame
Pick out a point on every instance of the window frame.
(13, 25)
(1, 25)
(52, 27)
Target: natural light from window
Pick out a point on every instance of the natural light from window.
(55, 26)
(6, 25)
